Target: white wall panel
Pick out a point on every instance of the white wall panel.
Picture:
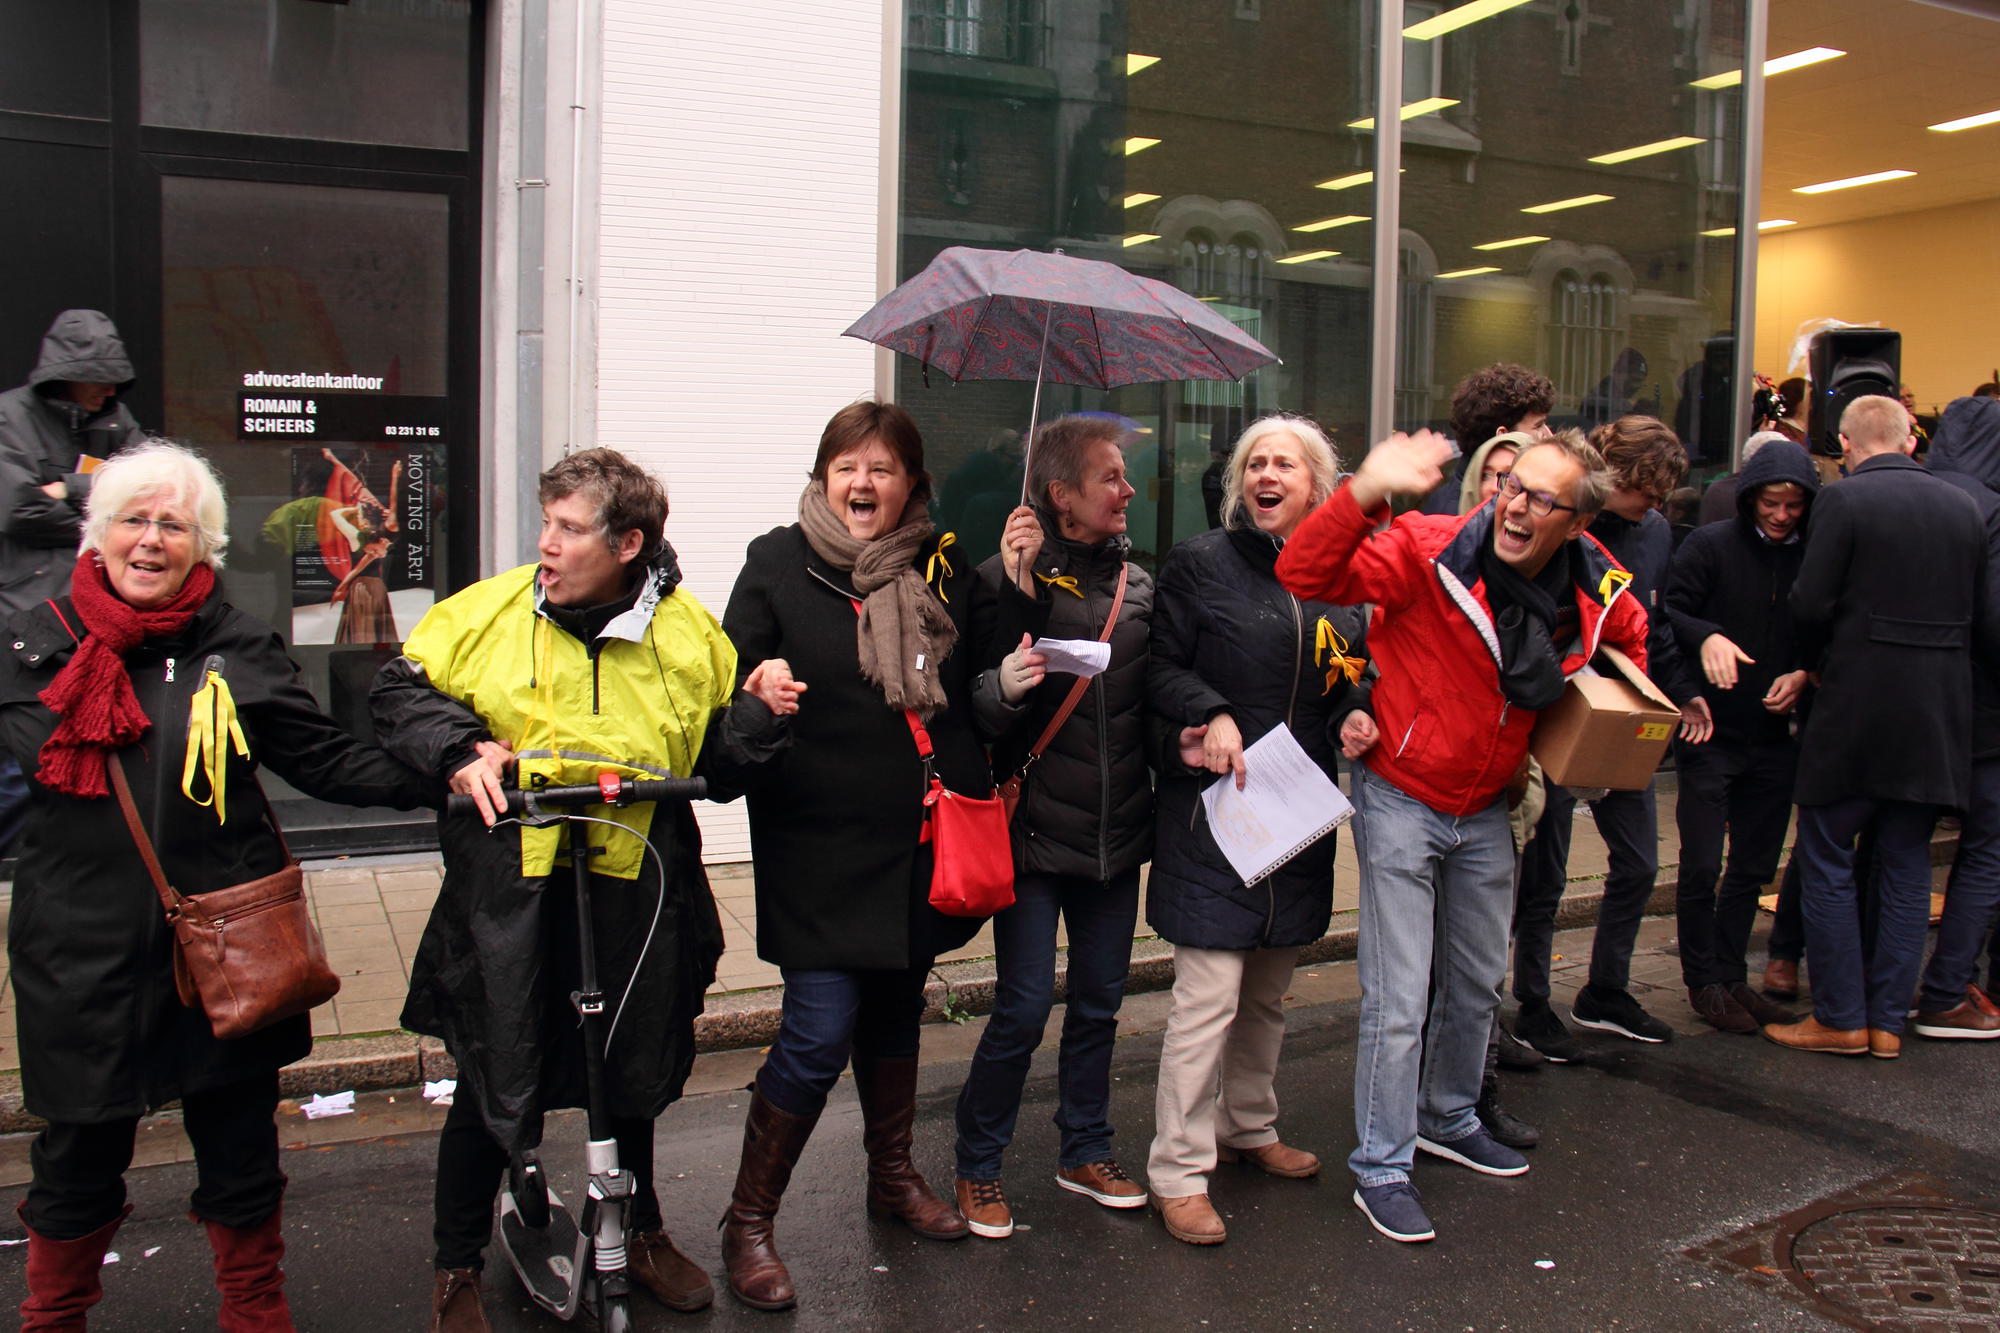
(740, 231)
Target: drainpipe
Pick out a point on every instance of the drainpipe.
(1756, 40)
(531, 196)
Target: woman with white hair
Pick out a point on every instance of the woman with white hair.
(1235, 657)
(142, 666)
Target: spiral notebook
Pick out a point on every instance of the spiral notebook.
(1287, 804)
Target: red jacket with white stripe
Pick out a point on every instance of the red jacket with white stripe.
(1450, 738)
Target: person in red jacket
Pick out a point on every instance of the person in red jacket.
(1482, 620)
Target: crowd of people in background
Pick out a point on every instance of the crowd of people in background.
(1826, 630)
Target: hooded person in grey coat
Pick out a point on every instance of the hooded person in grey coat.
(68, 412)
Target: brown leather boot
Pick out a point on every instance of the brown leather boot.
(772, 1142)
(248, 1275)
(455, 1303)
(657, 1264)
(888, 1089)
(64, 1276)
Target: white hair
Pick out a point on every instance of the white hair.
(1319, 461)
(157, 467)
(1758, 441)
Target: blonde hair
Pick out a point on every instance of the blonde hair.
(1875, 424)
(1312, 440)
(157, 467)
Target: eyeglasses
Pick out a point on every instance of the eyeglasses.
(1540, 503)
(171, 529)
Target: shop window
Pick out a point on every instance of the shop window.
(52, 59)
(364, 71)
(1011, 31)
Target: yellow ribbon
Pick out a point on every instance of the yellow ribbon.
(1613, 580)
(1330, 651)
(1067, 582)
(211, 717)
(938, 558)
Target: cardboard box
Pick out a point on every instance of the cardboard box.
(1605, 731)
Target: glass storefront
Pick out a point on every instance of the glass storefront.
(1229, 148)
(276, 201)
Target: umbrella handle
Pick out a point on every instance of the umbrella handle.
(1035, 410)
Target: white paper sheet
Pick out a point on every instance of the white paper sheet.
(318, 1108)
(1287, 804)
(1078, 657)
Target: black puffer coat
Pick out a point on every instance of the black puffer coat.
(1729, 579)
(1087, 806)
(842, 881)
(103, 1035)
(41, 437)
(1228, 639)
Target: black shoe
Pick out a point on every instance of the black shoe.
(1539, 1027)
(1616, 1011)
(1504, 1128)
(1715, 1006)
(1516, 1055)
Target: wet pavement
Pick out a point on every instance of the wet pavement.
(1653, 1203)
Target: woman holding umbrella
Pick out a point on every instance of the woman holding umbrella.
(1083, 826)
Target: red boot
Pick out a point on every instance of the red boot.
(248, 1276)
(65, 1277)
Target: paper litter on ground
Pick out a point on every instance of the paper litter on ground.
(439, 1092)
(338, 1103)
(110, 1257)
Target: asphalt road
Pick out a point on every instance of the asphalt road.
(1650, 1152)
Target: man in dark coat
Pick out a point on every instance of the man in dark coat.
(63, 421)
(1965, 451)
(1646, 461)
(1730, 606)
(1889, 601)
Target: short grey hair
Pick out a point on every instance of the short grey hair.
(1594, 486)
(158, 467)
(1319, 460)
(1758, 441)
(1060, 452)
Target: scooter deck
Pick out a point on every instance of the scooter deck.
(549, 1259)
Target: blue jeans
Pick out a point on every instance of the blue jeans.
(1856, 983)
(1099, 915)
(1969, 898)
(1437, 894)
(830, 1015)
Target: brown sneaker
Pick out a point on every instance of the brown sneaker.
(984, 1206)
(1883, 1044)
(657, 1264)
(1192, 1219)
(1273, 1158)
(1809, 1034)
(1781, 979)
(455, 1305)
(1715, 1006)
(1976, 1019)
(1103, 1181)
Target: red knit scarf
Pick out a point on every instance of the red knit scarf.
(92, 694)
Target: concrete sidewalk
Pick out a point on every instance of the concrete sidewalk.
(372, 913)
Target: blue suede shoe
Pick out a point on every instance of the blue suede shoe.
(1396, 1210)
(1480, 1151)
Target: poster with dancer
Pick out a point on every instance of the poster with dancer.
(358, 532)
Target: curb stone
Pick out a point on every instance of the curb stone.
(737, 1020)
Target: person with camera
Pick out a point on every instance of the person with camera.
(592, 659)
(144, 672)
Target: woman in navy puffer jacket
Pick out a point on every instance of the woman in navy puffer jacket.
(1235, 656)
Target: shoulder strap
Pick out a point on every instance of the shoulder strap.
(168, 898)
(1075, 695)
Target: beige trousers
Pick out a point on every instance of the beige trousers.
(1219, 1062)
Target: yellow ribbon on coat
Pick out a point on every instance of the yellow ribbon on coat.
(937, 559)
(1613, 580)
(1330, 651)
(211, 718)
(1067, 582)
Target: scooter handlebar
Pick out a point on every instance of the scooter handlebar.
(624, 791)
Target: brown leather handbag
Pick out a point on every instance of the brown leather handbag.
(248, 955)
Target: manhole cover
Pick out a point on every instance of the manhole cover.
(1910, 1266)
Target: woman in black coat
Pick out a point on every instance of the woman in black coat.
(1235, 657)
(104, 1037)
(857, 612)
(1081, 831)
